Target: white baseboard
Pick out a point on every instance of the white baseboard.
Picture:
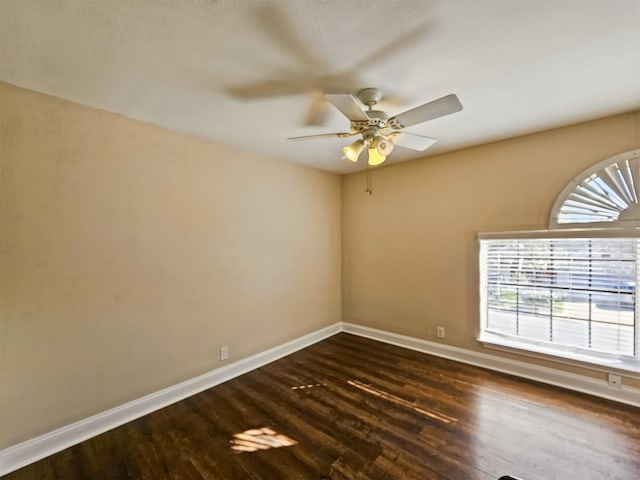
(579, 383)
(32, 450)
(29, 451)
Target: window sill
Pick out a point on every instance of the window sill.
(567, 357)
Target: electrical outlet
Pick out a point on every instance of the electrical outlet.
(440, 332)
(615, 381)
(224, 353)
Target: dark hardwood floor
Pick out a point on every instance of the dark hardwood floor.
(353, 408)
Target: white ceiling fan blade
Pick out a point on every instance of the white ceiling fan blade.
(295, 85)
(317, 111)
(348, 106)
(322, 135)
(429, 111)
(278, 26)
(412, 141)
(405, 42)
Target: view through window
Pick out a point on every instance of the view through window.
(572, 295)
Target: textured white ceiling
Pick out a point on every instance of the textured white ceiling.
(518, 66)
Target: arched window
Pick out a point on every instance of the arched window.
(604, 193)
(570, 291)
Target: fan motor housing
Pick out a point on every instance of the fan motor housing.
(377, 120)
(369, 133)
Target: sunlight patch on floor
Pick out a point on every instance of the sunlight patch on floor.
(392, 398)
(311, 385)
(259, 439)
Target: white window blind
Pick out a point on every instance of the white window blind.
(569, 294)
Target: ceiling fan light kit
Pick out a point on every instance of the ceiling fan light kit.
(375, 158)
(379, 133)
(353, 151)
(383, 145)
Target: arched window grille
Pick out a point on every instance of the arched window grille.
(606, 193)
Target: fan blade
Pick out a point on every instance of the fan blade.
(317, 111)
(277, 24)
(412, 38)
(412, 141)
(348, 106)
(322, 135)
(289, 85)
(429, 111)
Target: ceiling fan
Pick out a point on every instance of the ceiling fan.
(379, 132)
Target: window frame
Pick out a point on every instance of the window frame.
(568, 355)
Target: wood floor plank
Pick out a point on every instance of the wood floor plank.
(357, 409)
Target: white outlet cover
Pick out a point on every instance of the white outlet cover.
(614, 380)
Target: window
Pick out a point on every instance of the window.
(606, 193)
(574, 297)
(568, 291)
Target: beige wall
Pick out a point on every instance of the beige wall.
(131, 253)
(410, 252)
